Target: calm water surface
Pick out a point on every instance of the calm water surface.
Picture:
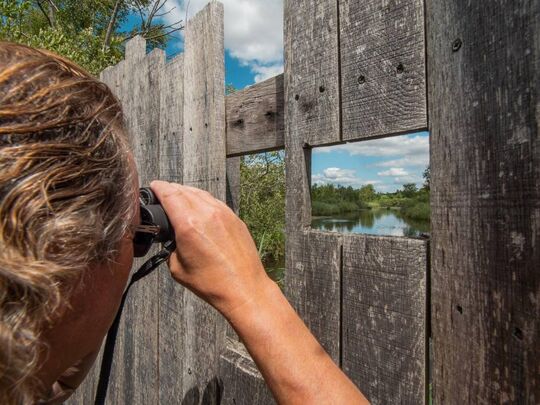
(374, 222)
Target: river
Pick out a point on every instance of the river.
(374, 222)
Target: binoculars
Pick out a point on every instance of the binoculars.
(155, 226)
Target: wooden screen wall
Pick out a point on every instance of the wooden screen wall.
(169, 340)
(355, 70)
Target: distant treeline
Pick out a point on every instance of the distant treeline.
(328, 199)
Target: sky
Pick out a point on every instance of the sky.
(387, 163)
(253, 36)
(254, 52)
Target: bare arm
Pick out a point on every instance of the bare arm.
(218, 261)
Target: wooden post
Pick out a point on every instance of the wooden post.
(204, 166)
(484, 98)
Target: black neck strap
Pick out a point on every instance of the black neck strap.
(108, 351)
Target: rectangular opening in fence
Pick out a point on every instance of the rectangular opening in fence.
(378, 187)
(262, 206)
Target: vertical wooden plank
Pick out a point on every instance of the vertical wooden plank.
(233, 184)
(311, 82)
(484, 87)
(134, 376)
(242, 382)
(311, 70)
(171, 294)
(204, 102)
(313, 285)
(384, 317)
(383, 67)
(204, 166)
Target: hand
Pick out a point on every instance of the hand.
(216, 257)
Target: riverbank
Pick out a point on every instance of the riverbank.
(416, 210)
(375, 221)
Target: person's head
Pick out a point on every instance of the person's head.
(67, 201)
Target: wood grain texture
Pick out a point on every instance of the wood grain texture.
(382, 66)
(134, 375)
(204, 102)
(233, 184)
(384, 317)
(242, 382)
(311, 70)
(484, 87)
(204, 166)
(255, 118)
(312, 285)
(170, 293)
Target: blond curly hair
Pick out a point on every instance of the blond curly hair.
(66, 198)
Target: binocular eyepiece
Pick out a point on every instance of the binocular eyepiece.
(155, 225)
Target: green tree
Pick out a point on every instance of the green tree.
(85, 31)
(262, 203)
(427, 178)
(367, 193)
(409, 190)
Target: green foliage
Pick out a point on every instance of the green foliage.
(77, 29)
(367, 193)
(230, 89)
(71, 35)
(262, 203)
(409, 190)
(328, 200)
(427, 178)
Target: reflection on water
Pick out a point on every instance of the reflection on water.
(374, 222)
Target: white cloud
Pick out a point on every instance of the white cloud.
(414, 160)
(253, 31)
(266, 72)
(343, 177)
(408, 179)
(394, 171)
(417, 146)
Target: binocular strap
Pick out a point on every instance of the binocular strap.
(108, 351)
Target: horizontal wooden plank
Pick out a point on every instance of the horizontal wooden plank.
(255, 118)
(242, 383)
(384, 317)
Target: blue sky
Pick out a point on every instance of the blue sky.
(253, 36)
(387, 163)
(254, 52)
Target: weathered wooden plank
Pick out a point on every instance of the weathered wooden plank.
(484, 90)
(311, 82)
(136, 355)
(233, 184)
(382, 66)
(204, 102)
(312, 285)
(384, 317)
(255, 118)
(171, 120)
(311, 70)
(170, 293)
(204, 166)
(135, 81)
(242, 382)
